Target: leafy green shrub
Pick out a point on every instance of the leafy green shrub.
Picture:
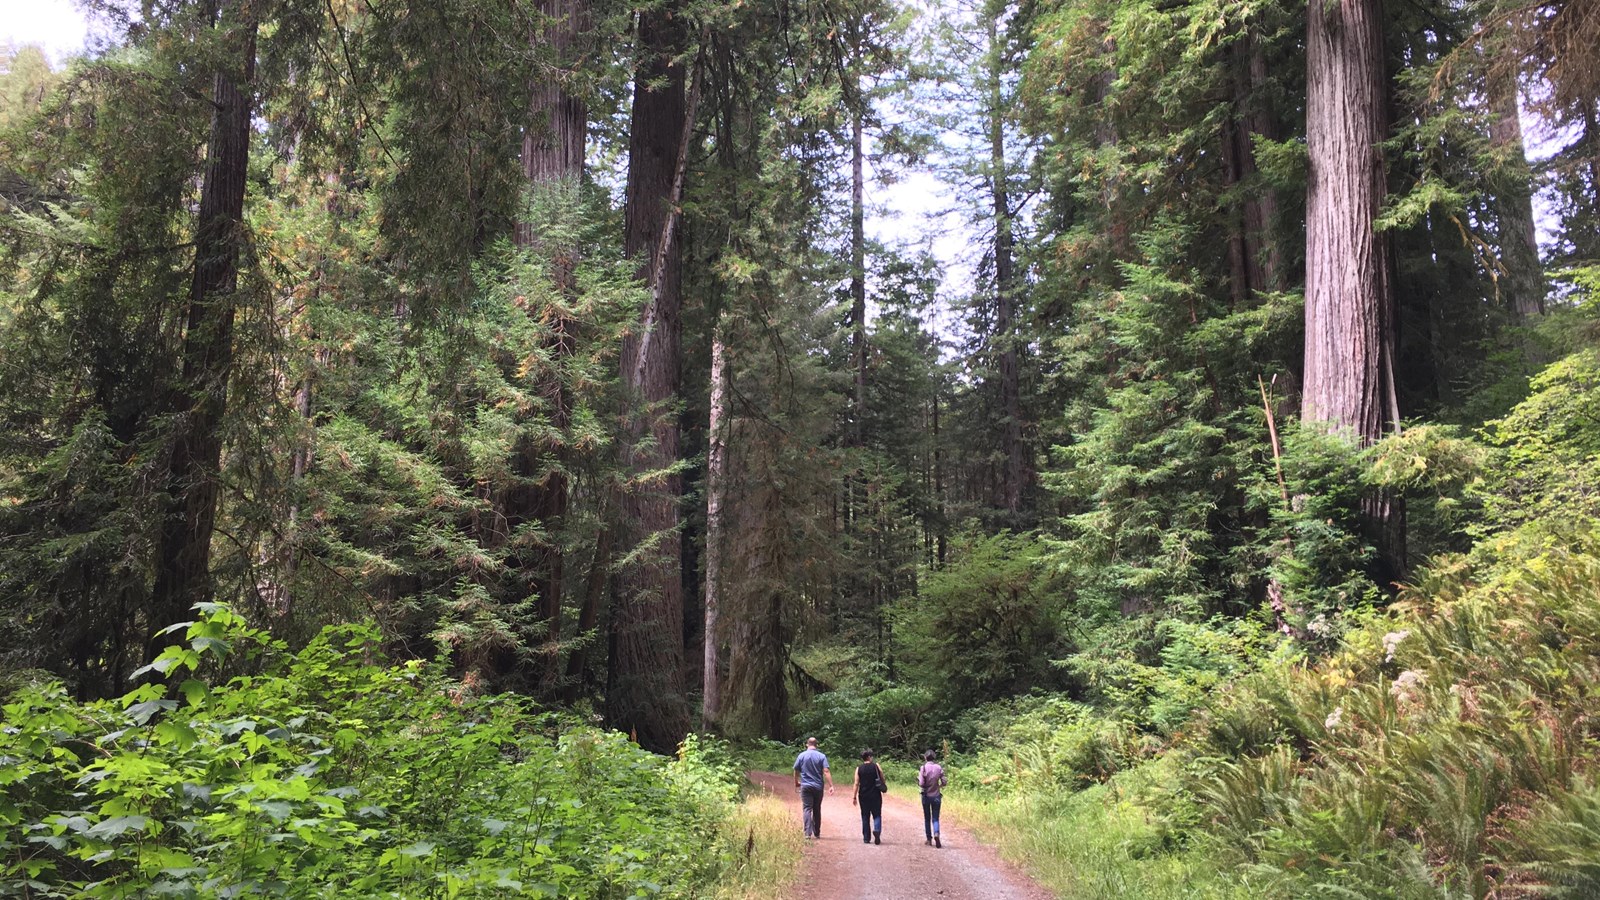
(898, 719)
(1323, 564)
(330, 776)
(1547, 480)
(1047, 743)
(1154, 672)
(985, 626)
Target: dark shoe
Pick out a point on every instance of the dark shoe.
(876, 839)
(866, 840)
(927, 842)
(936, 841)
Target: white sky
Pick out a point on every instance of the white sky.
(58, 26)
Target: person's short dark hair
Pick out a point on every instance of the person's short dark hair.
(867, 753)
(928, 756)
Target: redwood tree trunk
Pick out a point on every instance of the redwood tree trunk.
(183, 563)
(1349, 308)
(553, 154)
(647, 696)
(1349, 317)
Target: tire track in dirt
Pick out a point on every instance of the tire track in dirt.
(841, 867)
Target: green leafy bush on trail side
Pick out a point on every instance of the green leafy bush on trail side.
(1106, 841)
(330, 776)
(1446, 750)
(897, 720)
(986, 625)
(1546, 482)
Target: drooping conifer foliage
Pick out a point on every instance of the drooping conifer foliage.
(566, 353)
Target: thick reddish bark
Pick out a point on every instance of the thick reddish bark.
(647, 696)
(1349, 310)
(553, 153)
(183, 563)
(553, 145)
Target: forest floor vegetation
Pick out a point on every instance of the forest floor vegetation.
(324, 774)
(764, 845)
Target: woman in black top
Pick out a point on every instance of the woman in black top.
(868, 794)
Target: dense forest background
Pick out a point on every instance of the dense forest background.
(545, 343)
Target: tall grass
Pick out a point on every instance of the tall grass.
(763, 848)
(1094, 843)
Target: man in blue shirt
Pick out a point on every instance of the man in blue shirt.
(810, 771)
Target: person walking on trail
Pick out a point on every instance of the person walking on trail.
(868, 794)
(931, 780)
(810, 771)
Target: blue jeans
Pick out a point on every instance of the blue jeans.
(930, 815)
(811, 810)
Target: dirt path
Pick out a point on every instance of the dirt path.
(841, 867)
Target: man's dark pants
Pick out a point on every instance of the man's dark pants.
(811, 810)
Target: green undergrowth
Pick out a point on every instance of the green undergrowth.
(1447, 750)
(764, 845)
(1103, 841)
(1450, 754)
(326, 775)
(1445, 747)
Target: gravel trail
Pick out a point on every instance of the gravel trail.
(841, 867)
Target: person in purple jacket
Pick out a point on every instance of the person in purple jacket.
(931, 780)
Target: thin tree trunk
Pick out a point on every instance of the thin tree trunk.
(183, 564)
(1255, 260)
(1523, 285)
(646, 671)
(938, 486)
(1004, 283)
(858, 268)
(299, 465)
(589, 613)
(1263, 254)
(716, 485)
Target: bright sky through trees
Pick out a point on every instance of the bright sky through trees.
(58, 26)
